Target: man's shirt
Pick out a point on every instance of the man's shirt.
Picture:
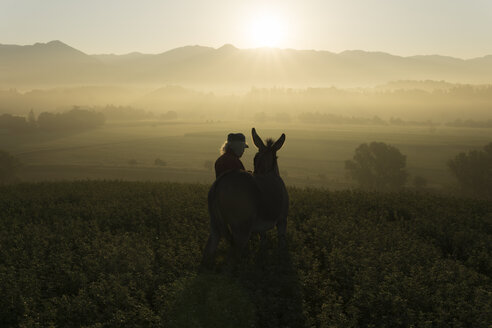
(226, 162)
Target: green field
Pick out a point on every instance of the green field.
(313, 155)
(126, 254)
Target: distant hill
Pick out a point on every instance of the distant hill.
(57, 63)
(52, 62)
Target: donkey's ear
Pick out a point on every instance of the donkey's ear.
(279, 143)
(257, 140)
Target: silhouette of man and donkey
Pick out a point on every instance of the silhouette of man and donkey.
(243, 203)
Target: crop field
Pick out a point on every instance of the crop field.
(374, 122)
(313, 155)
(127, 254)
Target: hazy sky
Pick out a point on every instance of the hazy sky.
(459, 28)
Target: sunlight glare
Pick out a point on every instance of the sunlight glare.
(267, 31)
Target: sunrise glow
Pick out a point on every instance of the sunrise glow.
(267, 31)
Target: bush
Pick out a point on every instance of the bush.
(13, 123)
(169, 115)
(9, 166)
(474, 171)
(159, 162)
(419, 182)
(127, 254)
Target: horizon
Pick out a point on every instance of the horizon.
(458, 29)
(239, 48)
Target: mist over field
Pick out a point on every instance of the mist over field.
(106, 161)
(164, 116)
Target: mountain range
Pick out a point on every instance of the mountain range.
(56, 63)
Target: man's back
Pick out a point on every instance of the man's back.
(226, 162)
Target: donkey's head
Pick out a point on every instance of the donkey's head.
(266, 158)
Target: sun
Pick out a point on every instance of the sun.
(267, 31)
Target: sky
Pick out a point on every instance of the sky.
(458, 28)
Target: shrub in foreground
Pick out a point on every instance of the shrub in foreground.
(113, 254)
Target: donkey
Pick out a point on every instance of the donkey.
(241, 203)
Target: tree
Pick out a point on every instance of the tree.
(13, 123)
(378, 166)
(474, 170)
(9, 165)
(31, 119)
(419, 182)
(75, 119)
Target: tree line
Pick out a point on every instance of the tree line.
(75, 119)
(459, 123)
(328, 118)
(317, 118)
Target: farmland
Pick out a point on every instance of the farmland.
(313, 155)
(113, 115)
(115, 253)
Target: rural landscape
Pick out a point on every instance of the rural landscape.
(108, 158)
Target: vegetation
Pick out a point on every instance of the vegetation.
(13, 123)
(115, 254)
(473, 170)
(123, 113)
(9, 166)
(317, 118)
(378, 166)
(75, 119)
(159, 162)
(471, 123)
(417, 103)
(419, 182)
(314, 156)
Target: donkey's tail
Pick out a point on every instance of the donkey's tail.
(217, 223)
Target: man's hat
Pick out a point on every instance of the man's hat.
(234, 137)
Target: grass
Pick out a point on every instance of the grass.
(313, 155)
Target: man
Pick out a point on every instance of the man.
(231, 151)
